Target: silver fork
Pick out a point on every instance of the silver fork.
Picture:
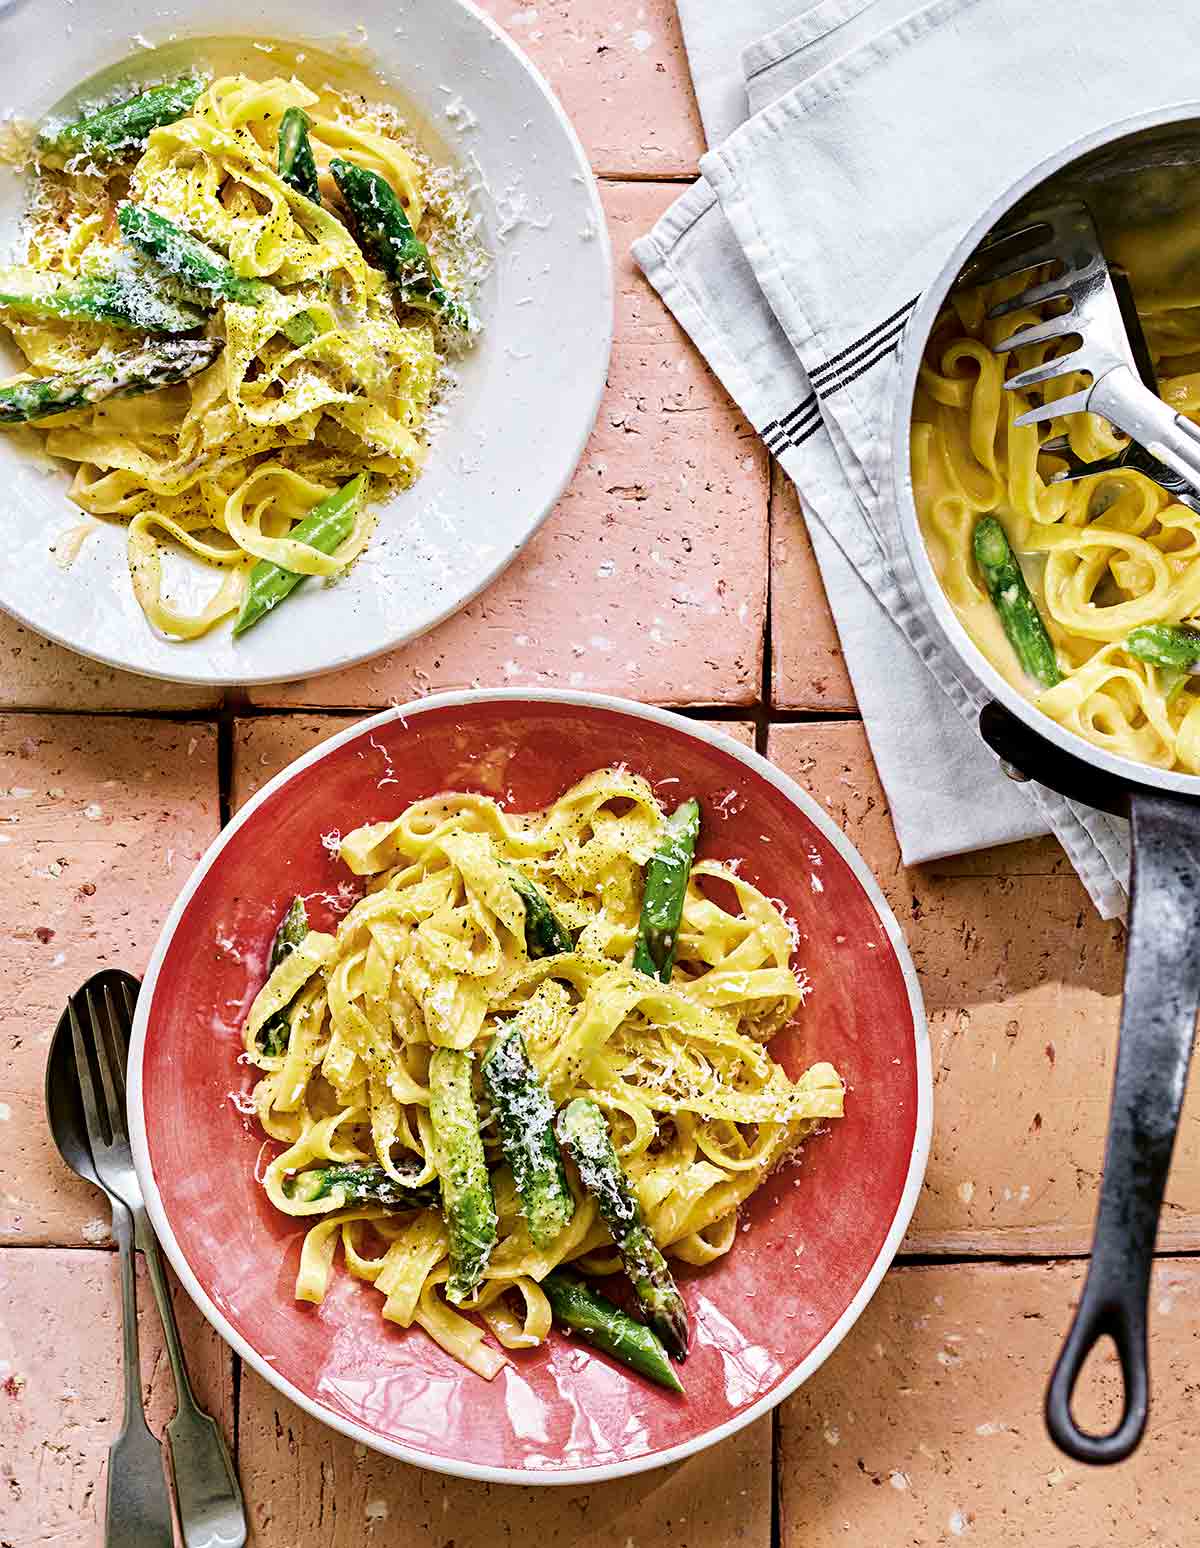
(210, 1505)
(1130, 456)
(1064, 235)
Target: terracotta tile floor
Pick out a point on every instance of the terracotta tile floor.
(649, 580)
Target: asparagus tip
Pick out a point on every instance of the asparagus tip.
(671, 1325)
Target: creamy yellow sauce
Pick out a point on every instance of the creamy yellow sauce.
(1102, 554)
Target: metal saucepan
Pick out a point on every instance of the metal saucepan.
(1151, 166)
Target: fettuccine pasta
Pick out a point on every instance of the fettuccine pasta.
(435, 955)
(223, 466)
(1103, 554)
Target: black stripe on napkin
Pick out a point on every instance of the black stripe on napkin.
(800, 439)
(788, 421)
(780, 440)
(804, 420)
(894, 323)
(844, 381)
(783, 432)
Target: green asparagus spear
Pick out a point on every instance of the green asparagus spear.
(324, 528)
(583, 1133)
(467, 1202)
(577, 1306)
(122, 126)
(525, 1118)
(544, 935)
(358, 1182)
(124, 300)
(296, 165)
(293, 927)
(1165, 645)
(299, 329)
(386, 236)
(121, 376)
(1018, 611)
(666, 887)
(199, 267)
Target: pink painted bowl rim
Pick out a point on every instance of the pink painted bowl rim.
(701, 731)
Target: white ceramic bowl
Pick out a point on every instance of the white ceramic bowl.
(529, 392)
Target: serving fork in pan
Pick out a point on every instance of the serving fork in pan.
(1096, 306)
(1132, 456)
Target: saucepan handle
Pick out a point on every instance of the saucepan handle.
(1036, 758)
(1158, 1021)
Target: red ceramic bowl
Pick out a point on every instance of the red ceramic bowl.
(815, 1240)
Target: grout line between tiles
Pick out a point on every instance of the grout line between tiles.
(209, 712)
(673, 178)
(1023, 1259)
(225, 726)
(776, 1478)
(245, 709)
(237, 708)
(766, 686)
(236, 1438)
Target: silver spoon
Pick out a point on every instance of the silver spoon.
(206, 1488)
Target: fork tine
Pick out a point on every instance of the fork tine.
(83, 1068)
(1045, 372)
(1000, 237)
(1048, 290)
(1039, 333)
(118, 1046)
(1073, 403)
(980, 274)
(1065, 236)
(1013, 252)
(119, 1020)
(116, 1116)
(129, 1003)
(1076, 468)
(1014, 241)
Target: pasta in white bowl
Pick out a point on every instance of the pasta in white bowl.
(325, 368)
(436, 421)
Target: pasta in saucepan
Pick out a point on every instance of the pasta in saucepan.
(1104, 554)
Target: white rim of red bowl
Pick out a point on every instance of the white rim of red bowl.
(703, 732)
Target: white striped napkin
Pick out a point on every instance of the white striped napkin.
(877, 132)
